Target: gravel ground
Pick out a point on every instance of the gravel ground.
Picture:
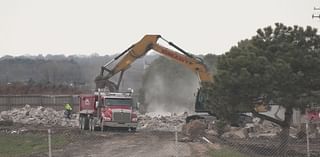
(126, 144)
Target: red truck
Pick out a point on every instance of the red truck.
(103, 110)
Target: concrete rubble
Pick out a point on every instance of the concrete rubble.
(263, 129)
(13, 130)
(257, 129)
(39, 116)
(161, 122)
(195, 129)
(151, 121)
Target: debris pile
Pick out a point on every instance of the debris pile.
(193, 130)
(236, 132)
(161, 122)
(38, 116)
(260, 128)
(263, 129)
(13, 130)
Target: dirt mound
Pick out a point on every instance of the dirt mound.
(194, 129)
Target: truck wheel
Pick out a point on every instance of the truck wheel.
(94, 126)
(133, 129)
(101, 126)
(86, 123)
(90, 124)
(81, 123)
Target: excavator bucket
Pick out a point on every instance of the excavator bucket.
(103, 83)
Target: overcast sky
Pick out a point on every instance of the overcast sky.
(110, 26)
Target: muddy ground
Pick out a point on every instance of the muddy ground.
(128, 144)
(146, 143)
(115, 143)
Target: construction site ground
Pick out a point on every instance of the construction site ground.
(69, 142)
(24, 133)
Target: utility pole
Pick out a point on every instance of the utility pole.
(316, 15)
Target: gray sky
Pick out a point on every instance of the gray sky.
(110, 26)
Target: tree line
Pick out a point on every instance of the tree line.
(74, 71)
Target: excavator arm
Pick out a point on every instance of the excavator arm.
(194, 64)
(186, 59)
(140, 49)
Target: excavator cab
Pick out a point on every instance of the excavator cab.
(201, 98)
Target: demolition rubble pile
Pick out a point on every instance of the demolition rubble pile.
(195, 129)
(255, 130)
(263, 128)
(161, 122)
(38, 116)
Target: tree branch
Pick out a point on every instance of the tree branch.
(265, 117)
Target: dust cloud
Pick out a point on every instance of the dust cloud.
(177, 96)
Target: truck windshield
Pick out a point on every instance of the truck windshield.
(114, 101)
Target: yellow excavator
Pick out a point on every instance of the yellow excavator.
(140, 49)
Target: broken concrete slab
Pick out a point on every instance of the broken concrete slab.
(161, 122)
(39, 116)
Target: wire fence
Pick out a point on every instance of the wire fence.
(229, 147)
(8, 102)
(303, 139)
(305, 143)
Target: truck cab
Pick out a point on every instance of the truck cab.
(118, 110)
(107, 109)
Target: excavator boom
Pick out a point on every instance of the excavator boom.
(140, 49)
(193, 64)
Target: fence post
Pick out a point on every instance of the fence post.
(49, 142)
(308, 144)
(9, 102)
(41, 100)
(176, 140)
(54, 100)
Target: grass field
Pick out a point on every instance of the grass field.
(17, 145)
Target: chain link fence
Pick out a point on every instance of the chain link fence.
(302, 143)
(8, 102)
(303, 140)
